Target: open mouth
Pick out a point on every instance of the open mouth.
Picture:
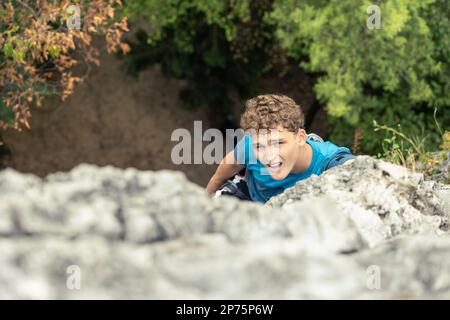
(274, 166)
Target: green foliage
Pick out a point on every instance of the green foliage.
(395, 75)
(412, 151)
(216, 45)
(6, 113)
(167, 14)
(399, 148)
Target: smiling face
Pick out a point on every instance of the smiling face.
(276, 123)
(279, 150)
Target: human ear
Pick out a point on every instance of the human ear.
(301, 137)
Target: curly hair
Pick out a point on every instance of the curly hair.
(270, 110)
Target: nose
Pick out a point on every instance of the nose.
(271, 154)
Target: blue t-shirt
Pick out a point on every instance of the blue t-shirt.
(260, 183)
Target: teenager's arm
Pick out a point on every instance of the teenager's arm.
(227, 168)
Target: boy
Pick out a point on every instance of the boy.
(275, 151)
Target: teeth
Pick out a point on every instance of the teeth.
(275, 164)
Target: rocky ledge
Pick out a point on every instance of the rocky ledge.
(365, 230)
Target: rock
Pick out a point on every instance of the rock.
(103, 232)
(411, 267)
(382, 199)
(437, 167)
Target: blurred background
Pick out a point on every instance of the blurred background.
(107, 82)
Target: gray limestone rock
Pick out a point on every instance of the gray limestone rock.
(365, 230)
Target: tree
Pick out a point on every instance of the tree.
(40, 43)
(217, 45)
(396, 74)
